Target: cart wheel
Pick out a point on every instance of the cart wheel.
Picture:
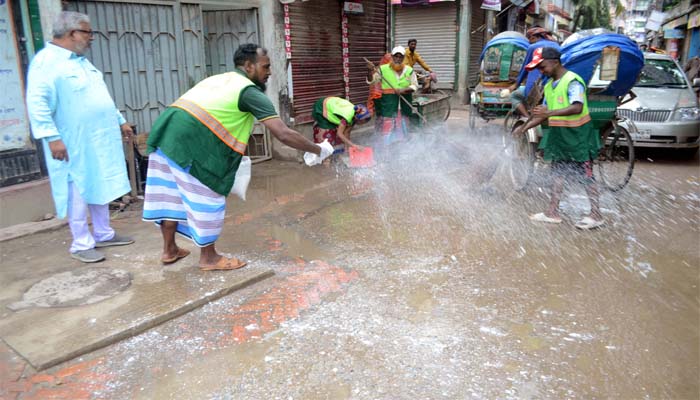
(521, 155)
(445, 108)
(616, 159)
(473, 113)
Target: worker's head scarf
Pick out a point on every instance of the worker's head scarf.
(386, 59)
(539, 31)
(361, 112)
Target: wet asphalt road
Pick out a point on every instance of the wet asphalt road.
(423, 278)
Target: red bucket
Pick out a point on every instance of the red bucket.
(361, 158)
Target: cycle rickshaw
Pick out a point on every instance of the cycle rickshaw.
(501, 60)
(610, 63)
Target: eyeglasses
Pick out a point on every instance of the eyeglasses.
(89, 33)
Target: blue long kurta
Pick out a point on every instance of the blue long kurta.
(68, 99)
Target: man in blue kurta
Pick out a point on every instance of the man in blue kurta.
(74, 117)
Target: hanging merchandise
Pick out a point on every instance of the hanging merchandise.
(287, 33)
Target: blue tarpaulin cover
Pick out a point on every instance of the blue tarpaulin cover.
(581, 51)
(510, 37)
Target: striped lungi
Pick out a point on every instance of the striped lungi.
(172, 194)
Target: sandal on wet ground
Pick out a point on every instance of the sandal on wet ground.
(541, 217)
(589, 223)
(224, 264)
(181, 253)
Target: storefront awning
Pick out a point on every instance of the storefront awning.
(676, 22)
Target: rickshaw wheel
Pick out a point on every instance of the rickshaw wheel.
(521, 158)
(616, 158)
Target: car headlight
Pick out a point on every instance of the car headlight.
(686, 114)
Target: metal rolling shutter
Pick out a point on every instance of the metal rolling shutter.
(148, 56)
(477, 41)
(317, 59)
(435, 28)
(367, 38)
(224, 32)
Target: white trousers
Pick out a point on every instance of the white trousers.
(78, 221)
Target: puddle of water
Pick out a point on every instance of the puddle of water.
(297, 245)
(421, 300)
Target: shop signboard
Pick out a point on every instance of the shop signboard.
(494, 5)
(353, 7)
(673, 34)
(14, 129)
(654, 21)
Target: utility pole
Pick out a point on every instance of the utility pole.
(490, 24)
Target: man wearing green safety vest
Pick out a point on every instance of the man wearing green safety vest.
(572, 142)
(334, 119)
(195, 148)
(398, 81)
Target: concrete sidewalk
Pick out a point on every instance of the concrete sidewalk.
(72, 314)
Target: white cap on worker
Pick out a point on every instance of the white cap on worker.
(398, 49)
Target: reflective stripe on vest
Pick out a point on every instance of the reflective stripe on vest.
(210, 122)
(389, 75)
(334, 106)
(214, 102)
(558, 98)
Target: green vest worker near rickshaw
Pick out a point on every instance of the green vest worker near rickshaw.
(334, 119)
(571, 142)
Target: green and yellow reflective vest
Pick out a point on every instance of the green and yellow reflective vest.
(558, 98)
(570, 137)
(214, 102)
(387, 105)
(205, 132)
(328, 111)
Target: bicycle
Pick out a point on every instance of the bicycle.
(615, 161)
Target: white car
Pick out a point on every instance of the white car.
(666, 111)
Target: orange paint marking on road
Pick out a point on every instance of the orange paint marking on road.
(305, 286)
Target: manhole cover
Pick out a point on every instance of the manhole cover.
(75, 288)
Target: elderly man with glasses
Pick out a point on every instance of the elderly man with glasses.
(74, 117)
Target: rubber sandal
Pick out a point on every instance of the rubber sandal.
(589, 223)
(224, 264)
(541, 217)
(181, 253)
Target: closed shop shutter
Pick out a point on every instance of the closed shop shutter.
(476, 41)
(148, 58)
(317, 67)
(367, 38)
(435, 29)
(224, 32)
